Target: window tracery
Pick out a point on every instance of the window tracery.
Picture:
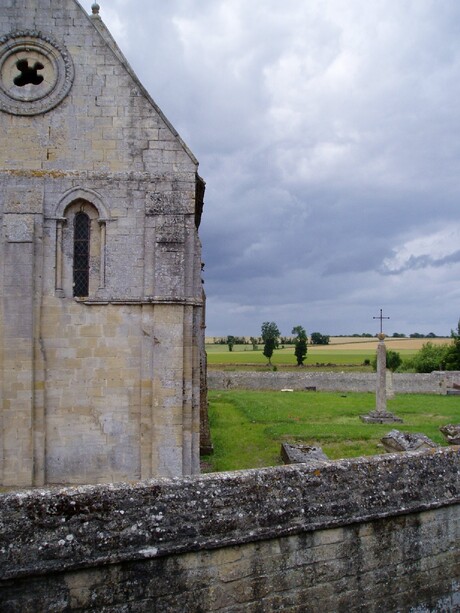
(81, 254)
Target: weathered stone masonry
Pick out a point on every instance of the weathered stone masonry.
(364, 535)
(100, 384)
(402, 383)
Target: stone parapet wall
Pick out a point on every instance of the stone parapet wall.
(403, 383)
(375, 534)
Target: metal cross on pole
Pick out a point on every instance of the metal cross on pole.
(381, 317)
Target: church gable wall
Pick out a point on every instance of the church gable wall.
(105, 122)
(100, 376)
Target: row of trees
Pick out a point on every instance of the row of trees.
(270, 337)
(316, 339)
(430, 357)
(270, 330)
(394, 335)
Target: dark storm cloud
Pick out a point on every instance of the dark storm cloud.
(329, 137)
(424, 261)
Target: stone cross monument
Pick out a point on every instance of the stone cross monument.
(380, 415)
(381, 394)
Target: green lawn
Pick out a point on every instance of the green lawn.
(248, 427)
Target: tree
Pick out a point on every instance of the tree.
(270, 335)
(300, 350)
(253, 342)
(230, 342)
(393, 362)
(319, 339)
(430, 357)
(453, 352)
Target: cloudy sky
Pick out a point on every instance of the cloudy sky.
(328, 133)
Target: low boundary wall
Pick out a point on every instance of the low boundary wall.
(403, 383)
(367, 534)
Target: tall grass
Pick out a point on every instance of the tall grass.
(248, 427)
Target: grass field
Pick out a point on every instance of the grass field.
(348, 352)
(248, 427)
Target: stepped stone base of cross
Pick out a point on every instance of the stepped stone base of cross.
(378, 417)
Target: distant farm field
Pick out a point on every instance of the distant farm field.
(343, 352)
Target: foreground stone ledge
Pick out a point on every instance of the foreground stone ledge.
(59, 529)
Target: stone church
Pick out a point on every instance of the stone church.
(100, 267)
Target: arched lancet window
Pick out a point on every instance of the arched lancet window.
(81, 250)
(81, 219)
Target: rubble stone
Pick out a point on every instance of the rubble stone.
(452, 433)
(406, 441)
(298, 453)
